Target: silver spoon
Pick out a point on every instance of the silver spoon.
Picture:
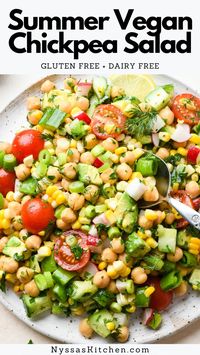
(163, 183)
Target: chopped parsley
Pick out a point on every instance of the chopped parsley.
(77, 251)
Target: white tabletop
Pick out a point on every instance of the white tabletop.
(13, 330)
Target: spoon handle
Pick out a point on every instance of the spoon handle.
(192, 216)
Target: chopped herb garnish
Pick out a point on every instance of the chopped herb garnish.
(77, 251)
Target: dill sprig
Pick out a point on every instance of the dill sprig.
(141, 123)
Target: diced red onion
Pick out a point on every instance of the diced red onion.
(155, 139)
(181, 133)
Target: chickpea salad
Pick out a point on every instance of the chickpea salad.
(74, 240)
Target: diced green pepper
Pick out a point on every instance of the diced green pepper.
(1, 201)
(44, 157)
(170, 281)
(147, 166)
(29, 187)
(153, 262)
(188, 260)
(156, 321)
(49, 264)
(9, 162)
(141, 300)
(2, 153)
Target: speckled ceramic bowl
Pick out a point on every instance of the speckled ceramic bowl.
(65, 330)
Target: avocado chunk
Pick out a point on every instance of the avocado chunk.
(158, 98)
(135, 246)
(89, 174)
(166, 239)
(82, 290)
(126, 213)
(15, 248)
(98, 321)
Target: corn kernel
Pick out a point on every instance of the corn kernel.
(70, 301)
(193, 246)
(60, 199)
(182, 151)
(41, 234)
(11, 278)
(51, 151)
(16, 288)
(51, 189)
(102, 265)
(175, 186)
(119, 265)
(195, 240)
(50, 200)
(110, 326)
(110, 216)
(56, 194)
(136, 174)
(183, 270)
(21, 287)
(39, 128)
(2, 214)
(109, 127)
(73, 143)
(114, 158)
(150, 215)
(43, 252)
(194, 251)
(131, 309)
(76, 225)
(164, 136)
(101, 200)
(78, 312)
(10, 196)
(75, 110)
(125, 272)
(152, 243)
(138, 152)
(112, 273)
(120, 150)
(195, 139)
(173, 152)
(84, 220)
(195, 177)
(141, 235)
(5, 223)
(148, 292)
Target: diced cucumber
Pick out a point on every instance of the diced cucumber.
(98, 321)
(194, 279)
(93, 103)
(158, 98)
(63, 276)
(34, 264)
(37, 305)
(183, 239)
(166, 239)
(82, 290)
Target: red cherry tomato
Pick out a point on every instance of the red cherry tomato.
(37, 215)
(196, 203)
(107, 115)
(64, 255)
(183, 197)
(93, 241)
(98, 163)
(7, 182)
(82, 116)
(25, 143)
(192, 154)
(186, 107)
(160, 299)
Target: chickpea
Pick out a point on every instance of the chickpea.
(35, 116)
(90, 141)
(7, 264)
(176, 256)
(110, 144)
(162, 153)
(169, 219)
(33, 103)
(91, 193)
(33, 242)
(193, 189)
(31, 289)
(181, 290)
(69, 83)
(116, 91)
(124, 171)
(65, 184)
(128, 158)
(83, 103)
(62, 145)
(167, 115)
(76, 201)
(144, 222)
(47, 86)
(150, 181)
(3, 242)
(17, 223)
(151, 194)
(123, 334)
(85, 328)
(53, 171)
(138, 275)
(25, 199)
(127, 260)
(117, 245)
(101, 279)
(22, 171)
(65, 106)
(73, 155)
(107, 176)
(6, 147)
(14, 209)
(108, 255)
(61, 224)
(160, 217)
(70, 170)
(68, 216)
(87, 158)
(24, 274)
(23, 234)
(112, 287)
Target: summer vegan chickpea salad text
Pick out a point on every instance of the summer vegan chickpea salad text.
(73, 239)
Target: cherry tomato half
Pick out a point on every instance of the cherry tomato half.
(7, 182)
(160, 299)
(186, 107)
(25, 143)
(183, 197)
(37, 215)
(66, 257)
(107, 121)
(192, 154)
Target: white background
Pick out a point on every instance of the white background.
(185, 68)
